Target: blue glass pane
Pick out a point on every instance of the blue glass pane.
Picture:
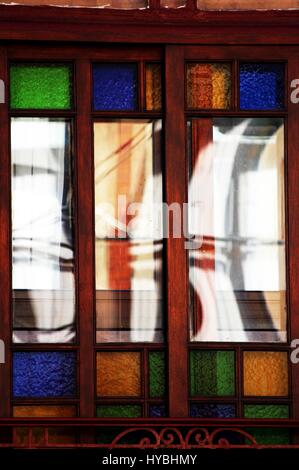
(210, 410)
(115, 87)
(44, 374)
(157, 411)
(261, 86)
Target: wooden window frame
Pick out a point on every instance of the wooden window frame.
(83, 37)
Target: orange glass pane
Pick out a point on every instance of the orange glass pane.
(265, 373)
(173, 3)
(208, 86)
(153, 87)
(44, 411)
(247, 4)
(118, 374)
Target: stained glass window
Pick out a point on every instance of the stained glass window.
(115, 87)
(265, 373)
(211, 410)
(262, 86)
(208, 85)
(247, 4)
(153, 79)
(118, 374)
(117, 4)
(157, 371)
(44, 411)
(119, 411)
(40, 86)
(173, 3)
(157, 411)
(266, 411)
(47, 374)
(212, 373)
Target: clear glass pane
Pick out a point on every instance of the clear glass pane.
(128, 197)
(237, 258)
(42, 231)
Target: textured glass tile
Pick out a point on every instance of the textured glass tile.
(266, 411)
(247, 4)
(40, 86)
(114, 4)
(262, 86)
(153, 80)
(118, 374)
(119, 411)
(44, 374)
(157, 411)
(265, 373)
(115, 87)
(173, 3)
(209, 85)
(270, 436)
(212, 373)
(44, 411)
(211, 410)
(157, 374)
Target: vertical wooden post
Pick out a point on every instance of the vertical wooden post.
(292, 179)
(85, 239)
(5, 242)
(176, 177)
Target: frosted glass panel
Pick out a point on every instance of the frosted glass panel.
(42, 231)
(237, 271)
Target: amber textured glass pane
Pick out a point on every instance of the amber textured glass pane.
(117, 4)
(247, 4)
(173, 3)
(118, 374)
(265, 373)
(208, 85)
(44, 411)
(153, 87)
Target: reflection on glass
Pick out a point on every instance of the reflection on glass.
(128, 191)
(237, 269)
(42, 231)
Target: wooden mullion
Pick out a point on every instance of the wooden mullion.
(5, 245)
(85, 231)
(177, 278)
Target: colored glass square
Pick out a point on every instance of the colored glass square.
(40, 86)
(212, 373)
(119, 411)
(44, 374)
(153, 83)
(211, 410)
(265, 373)
(118, 374)
(115, 87)
(44, 411)
(266, 411)
(209, 85)
(262, 86)
(157, 411)
(157, 374)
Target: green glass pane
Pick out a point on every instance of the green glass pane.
(41, 86)
(269, 436)
(266, 411)
(212, 373)
(156, 374)
(119, 411)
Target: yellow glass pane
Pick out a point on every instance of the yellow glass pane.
(265, 373)
(153, 87)
(44, 411)
(118, 374)
(209, 85)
